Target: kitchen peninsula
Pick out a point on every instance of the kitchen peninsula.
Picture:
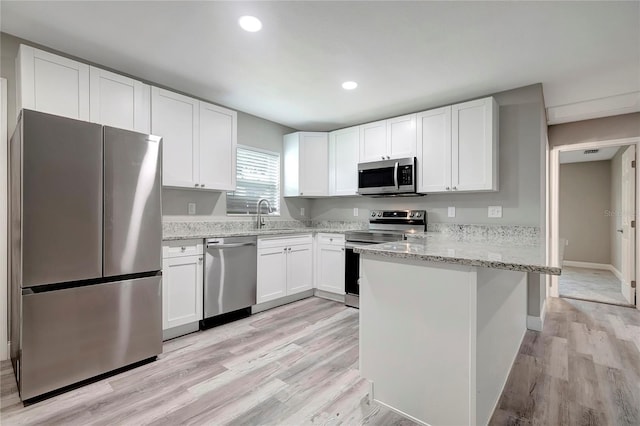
(442, 317)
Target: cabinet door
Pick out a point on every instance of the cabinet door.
(182, 284)
(299, 268)
(52, 84)
(373, 141)
(401, 136)
(272, 273)
(344, 150)
(330, 270)
(218, 138)
(434, 150)
(314, 164)
(119, 101)
(175, 118)
(474, 146)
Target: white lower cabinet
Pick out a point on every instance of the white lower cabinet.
(330, 263)
(285, 266)
(182, 284)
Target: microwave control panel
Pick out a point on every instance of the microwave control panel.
(405, 175)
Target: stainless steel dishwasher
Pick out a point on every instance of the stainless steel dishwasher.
(230, 275)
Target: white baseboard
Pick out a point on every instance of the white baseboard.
(536, 323)
(588, 265)
(617, 273)
(328, 295)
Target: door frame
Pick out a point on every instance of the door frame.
(4, 213)
(553, 247)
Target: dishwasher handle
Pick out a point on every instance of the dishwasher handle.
(233, 245)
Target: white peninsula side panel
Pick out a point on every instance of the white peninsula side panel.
(437, 341)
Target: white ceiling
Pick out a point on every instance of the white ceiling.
(581, 157)
(406, 56)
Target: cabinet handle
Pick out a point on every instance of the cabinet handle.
(183, 248)
(330, 239)
(199, 260)
(448, 189)
(202, 185)
(455, 188)
(196, 185)
(342, 249)
(388, 158)
(382, 157)
(301, 193)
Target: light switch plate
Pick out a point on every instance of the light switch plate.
(451, 212)
(355, 211)
(192, 208)
(301, 211)
(495, 211)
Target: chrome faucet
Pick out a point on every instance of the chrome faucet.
(260, 221)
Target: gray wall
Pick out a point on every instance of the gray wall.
(597, 129)
(616, 206)
(252, 131)
(585, 198)
(521, 174)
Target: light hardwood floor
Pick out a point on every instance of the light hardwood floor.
(591, 284)
(293, 365)
(582, 369)
(297, 365)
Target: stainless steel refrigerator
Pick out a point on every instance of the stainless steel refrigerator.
(86, 242)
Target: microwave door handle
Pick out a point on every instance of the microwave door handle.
(395, 176)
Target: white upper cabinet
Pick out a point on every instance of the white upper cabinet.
(344, 155)
(401, 136)
(176, 118)
(387, 139)
(52, 84)
(475, 146)
(306, 164)
(434, 150)
(218, 141)
(119, 101)
(199, 141)
(458, 147)
(373, 141)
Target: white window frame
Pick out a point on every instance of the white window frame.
(264, 151)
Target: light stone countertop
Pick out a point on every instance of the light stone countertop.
(259, 233)
(510, 253)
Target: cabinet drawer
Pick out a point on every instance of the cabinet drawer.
(281, 241)
(182, 248)
(331, 239)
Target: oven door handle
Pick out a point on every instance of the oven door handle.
(349, 245)
(395, 175)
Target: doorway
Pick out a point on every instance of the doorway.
(594, 192)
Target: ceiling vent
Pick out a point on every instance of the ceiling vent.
(591, 151)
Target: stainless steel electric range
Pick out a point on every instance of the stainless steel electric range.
(384, 226)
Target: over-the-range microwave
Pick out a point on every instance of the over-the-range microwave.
(387, 177)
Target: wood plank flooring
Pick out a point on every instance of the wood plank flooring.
(582, 369)
(593, 285)
(298, 365)
(293, 365)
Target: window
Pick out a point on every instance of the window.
(257, 176)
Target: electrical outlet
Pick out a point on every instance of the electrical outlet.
(495, 211)
(355, 211)
(301, 211)
(192, 208)
(451, 212)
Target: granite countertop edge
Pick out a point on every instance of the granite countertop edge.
(258, 233)
(521, 267)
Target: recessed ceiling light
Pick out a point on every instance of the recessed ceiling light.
(250, 23)
(349, 85)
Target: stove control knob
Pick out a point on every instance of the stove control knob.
(373, 214)
(418, 214)
(379, 214)
(411, 214)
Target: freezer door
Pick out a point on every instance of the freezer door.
(61, 223)
(132, 202)
(77, 333)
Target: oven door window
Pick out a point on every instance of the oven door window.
(376, 178)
